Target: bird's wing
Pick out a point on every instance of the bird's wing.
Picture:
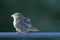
(27, 20)
(27, 23)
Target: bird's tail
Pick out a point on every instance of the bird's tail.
(34, 29)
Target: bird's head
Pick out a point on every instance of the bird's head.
(16, 15)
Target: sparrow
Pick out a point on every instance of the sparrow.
(22, 24)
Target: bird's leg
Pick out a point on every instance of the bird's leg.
(18, 31)
(27, 31)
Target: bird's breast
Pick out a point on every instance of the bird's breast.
(14, 23)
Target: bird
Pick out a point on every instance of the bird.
(22, 24)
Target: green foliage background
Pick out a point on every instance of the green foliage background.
(44, 14)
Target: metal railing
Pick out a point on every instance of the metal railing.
(29, 35)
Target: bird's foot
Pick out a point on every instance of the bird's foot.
(20, 32)
(25, 32)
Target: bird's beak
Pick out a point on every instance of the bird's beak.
(11, 15)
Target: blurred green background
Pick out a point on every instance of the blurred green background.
(44, 14)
